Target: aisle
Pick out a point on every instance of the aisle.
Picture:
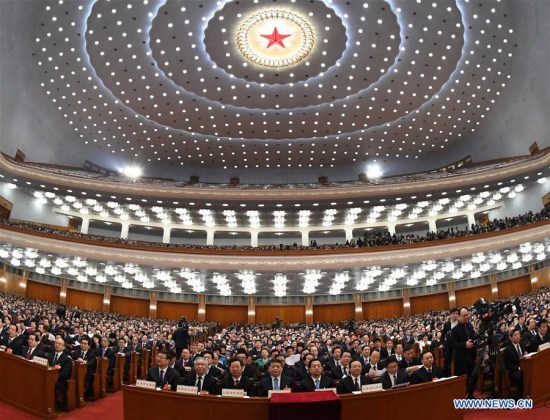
(109, 408)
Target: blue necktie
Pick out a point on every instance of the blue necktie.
(276, 384)
(317, 384)
(161, 379)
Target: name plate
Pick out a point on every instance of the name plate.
(40, 360)
(326, 389)
(140, 383)
(187, 389)
(372, 388)
(227, 392)
(544, 346)
(280, 391)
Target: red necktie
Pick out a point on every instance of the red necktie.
(29, 352)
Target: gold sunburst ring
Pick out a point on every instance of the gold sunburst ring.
(275, 38)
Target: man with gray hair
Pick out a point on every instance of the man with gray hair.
(205, 383)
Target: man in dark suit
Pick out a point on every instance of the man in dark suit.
(446, 344)
(387, 351)
(250, 371)
(364, 358)
(85, 354)
(393, 375)
(315, 380)
(301, 368)
(408, 359)
(334, 361)
(541, 337)
(236, 380)
(32, 349)
(61, 360)
(408, 338)
(205, 383)
(464, 355)
(181, 336)
(14, 341)
(354, 381)
(375, 368)
(163, 375)
(105, 351)
(528, 334)
(512, 354)
(213, 369)
(428, 372)
(274, 381)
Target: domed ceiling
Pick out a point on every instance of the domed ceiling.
(225, 88)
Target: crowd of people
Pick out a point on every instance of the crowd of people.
(369, 239)
(258, 358)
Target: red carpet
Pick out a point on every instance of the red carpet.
(110, 408)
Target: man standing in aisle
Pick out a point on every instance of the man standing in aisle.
(464, 355)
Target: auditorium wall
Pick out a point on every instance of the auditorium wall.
(514, 287)
(467, 297)
(30, 209)
(84, 299)
(226, 314)
(286, 313)
(130, 306)
(528, 199)
(425, 303)
(43, 291)
(175, 310)
(334, 312)
(383, 309)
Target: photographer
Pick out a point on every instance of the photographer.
(181, 336)
(464, 355)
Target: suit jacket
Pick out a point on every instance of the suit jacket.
(511, 357)
(214, 372)
(403, 364)
(171, 377)
(181, 337)
(384, 353)
(250, 371)
(181, 371)
(536, 341)
(307, 384)
(347, 385)
(367, 368)
(15, 344)
(422, 375)
(91, 359)
(38, 351)
(245, 384)
(402, 377)
(66, 365)
(267, 385)
(209, 383)
(108, 353)
(464, 357)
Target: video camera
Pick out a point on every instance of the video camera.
(490, 314)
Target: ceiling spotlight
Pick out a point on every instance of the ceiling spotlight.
(132, 172)
(374, 172)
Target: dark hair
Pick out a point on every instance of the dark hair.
(239, 361)
(274, 361)
(407, 347)
(391, 359)
(242, 351)
(85, 338)
(336, 348)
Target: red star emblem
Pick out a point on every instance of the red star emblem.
(275, 38)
